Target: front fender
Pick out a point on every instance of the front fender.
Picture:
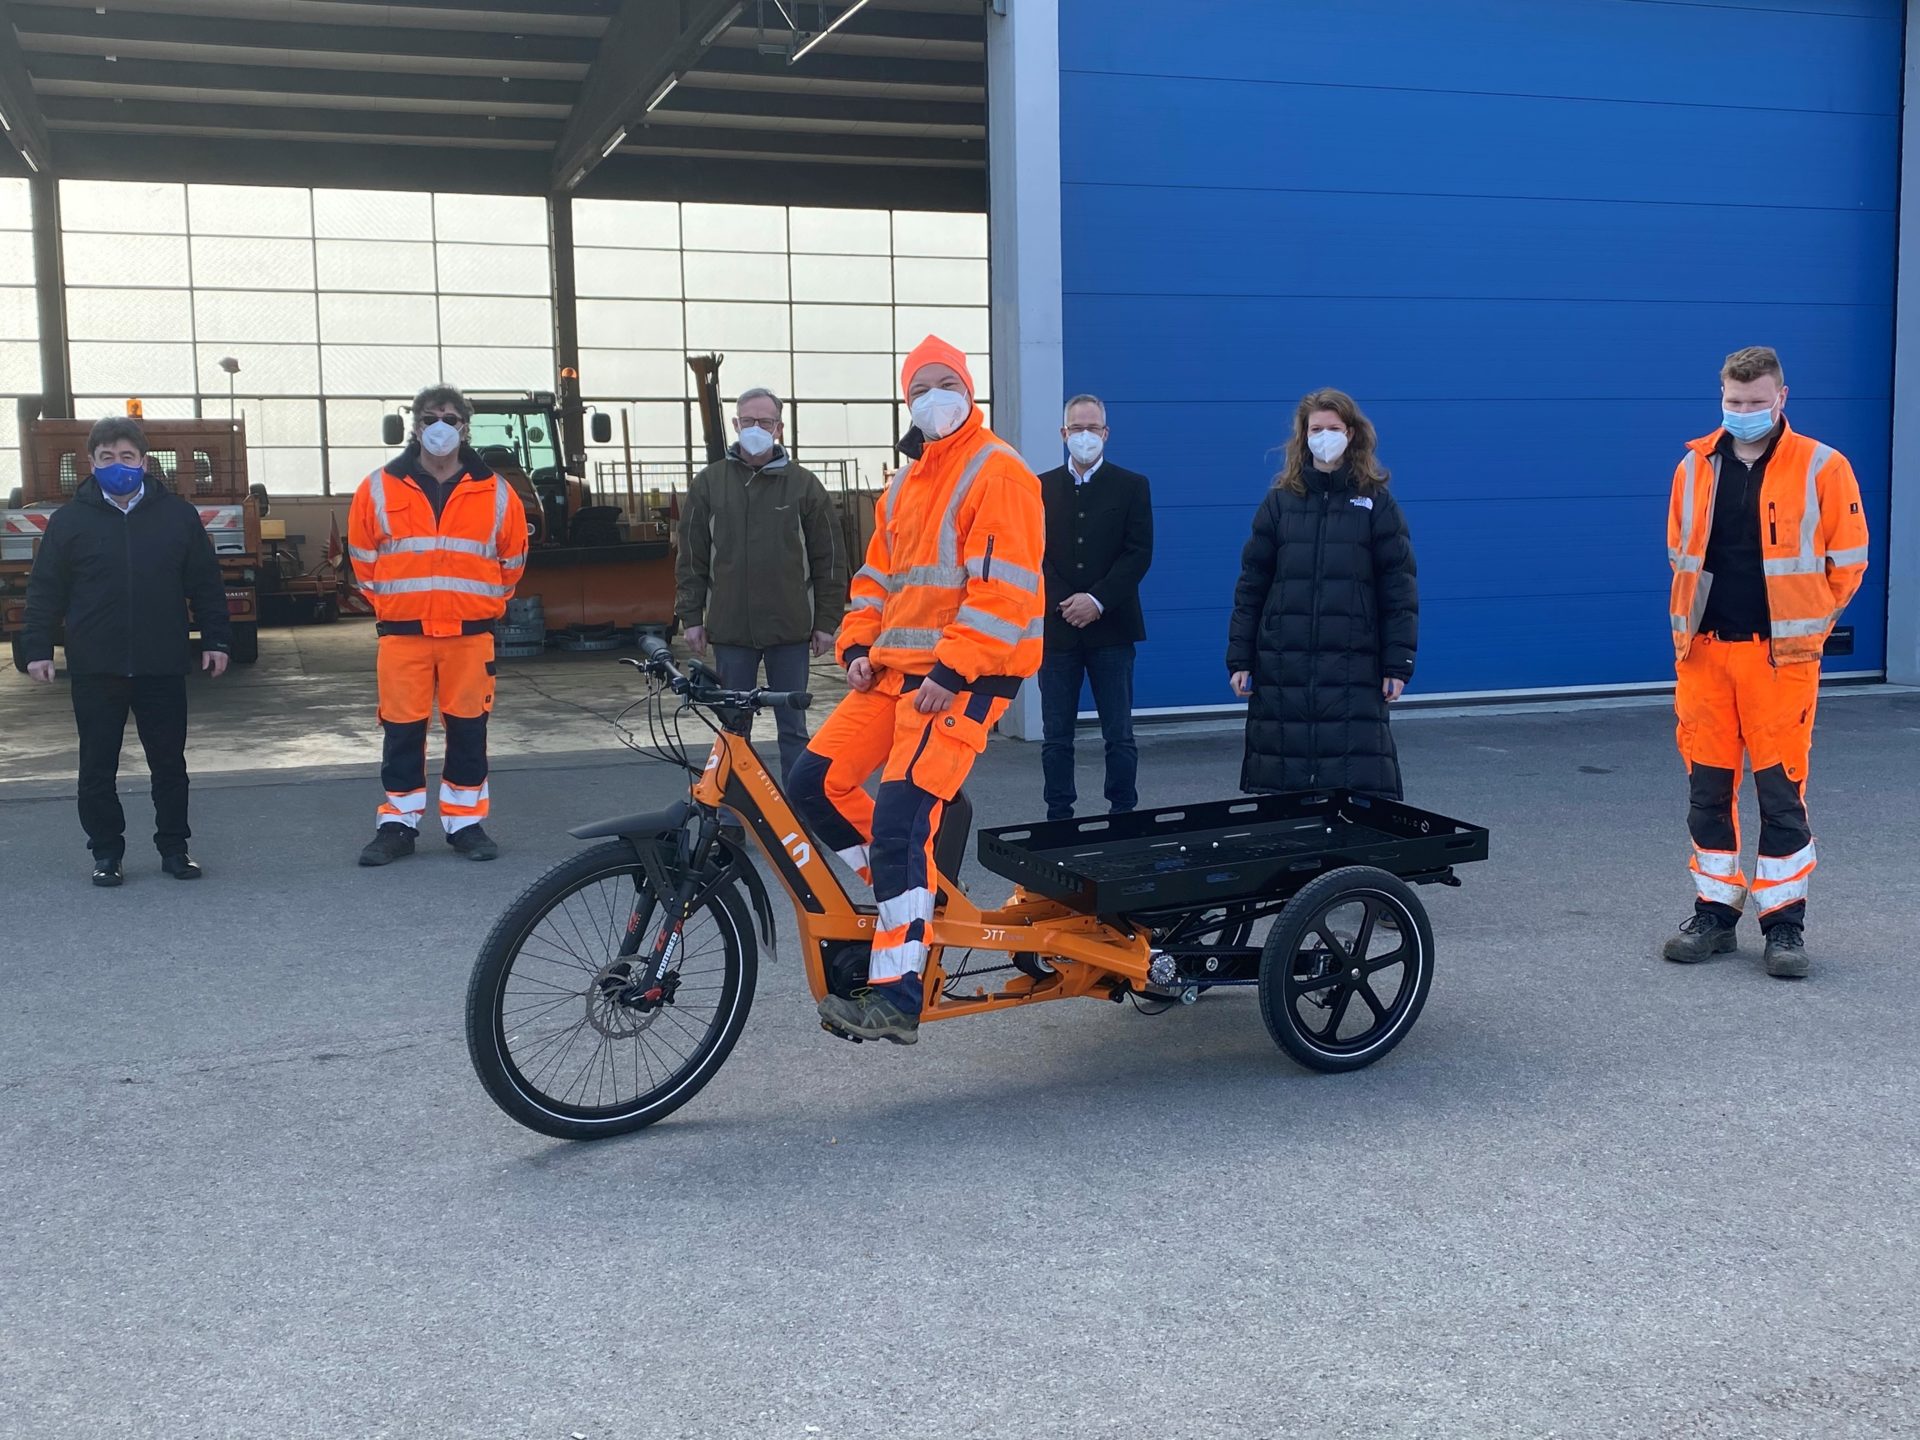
(629, 826)
(657, 824)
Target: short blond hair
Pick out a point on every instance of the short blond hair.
(1751, 363)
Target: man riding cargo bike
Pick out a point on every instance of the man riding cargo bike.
(613, 989)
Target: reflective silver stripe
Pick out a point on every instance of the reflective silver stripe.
(1855, 556)
(372, 587)
(1788, 892)
(377, 488)
(947, 577)
(430, 544)
(1798, 629)
(993, 625)
(364, 557)
(1692, 466)
(1689, 624)
(1721, 863)
(1720, 892)
(1810, 517)
(893, 490)
(879, 577)
(499, 514)
(518, 562)
(868, 602)
(1795, 565)
(903, 638)
(1773, 869)
(949, 535)
(1036, 628)
(1686, 564)
(1017, 576)
(451, 583)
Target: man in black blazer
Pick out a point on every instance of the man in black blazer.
(1099, 545)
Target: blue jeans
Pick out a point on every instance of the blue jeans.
(1109, 670)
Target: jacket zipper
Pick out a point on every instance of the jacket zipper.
(1313, 640)
(1773, 535)
(126, 531)
(986, 561)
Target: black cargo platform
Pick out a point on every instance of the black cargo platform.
(1256, 847)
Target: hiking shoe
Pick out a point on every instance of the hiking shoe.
(1702, 935)
(1786, 954)
(474, 843)
(181, 866)
(876, 1012)
(390, 842)
(107, 873)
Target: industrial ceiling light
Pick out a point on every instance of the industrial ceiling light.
(665, 89)
(722, 25)
(614, 142)
(845, 15)
(3, 122)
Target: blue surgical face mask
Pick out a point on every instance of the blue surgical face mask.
(120, 479)
(1748, 427)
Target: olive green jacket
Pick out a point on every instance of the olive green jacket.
(759, 564)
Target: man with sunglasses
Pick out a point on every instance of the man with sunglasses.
(438, 542)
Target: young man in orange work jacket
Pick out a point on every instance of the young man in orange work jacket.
(944, 621)
(1768, 545)
(438, 543)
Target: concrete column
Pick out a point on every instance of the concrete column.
(1023, 188)
(1903, 527)
(50, 291)
(566, 327)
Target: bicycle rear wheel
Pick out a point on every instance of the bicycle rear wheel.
(557, 1035)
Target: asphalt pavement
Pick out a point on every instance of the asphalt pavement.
(250, 1186)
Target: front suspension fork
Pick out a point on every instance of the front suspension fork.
(650, 986)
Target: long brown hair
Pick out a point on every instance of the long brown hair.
(1368, 474)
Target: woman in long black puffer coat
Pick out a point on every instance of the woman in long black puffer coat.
(1326, 616)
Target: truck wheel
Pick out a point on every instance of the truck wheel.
(327, 611)
(246, 643)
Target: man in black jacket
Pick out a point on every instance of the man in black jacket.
(1099, 545)
(119, 564)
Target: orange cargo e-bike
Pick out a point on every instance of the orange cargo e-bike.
(613, 989)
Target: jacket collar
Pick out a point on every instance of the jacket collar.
(1710, 442)
(915, 446)
(406, 465)
(777, 461)
(90, 492)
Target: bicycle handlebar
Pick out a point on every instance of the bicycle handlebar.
(702, 686)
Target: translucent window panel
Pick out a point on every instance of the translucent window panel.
(852, 279)
(16, 258)
(642, 224)
(19, 315)
(966, 328)
(838, 232)
(19, 367)
(632, 324)
(397, 370)
(16, 205)
(715, 325)
(270, 422)
(627, 274)
(378, 320)
(932, 232)
(354, 423)
(372, 215)
(830, 429)
(503, 219)
(499, 368)
(467, 320)
(494, 270)
(133, 260)
(140, 368)
(651, 427)
(161, 407)
(734, 276)
(124, 207)
(843, 328)
(940, 282)
(752, 370)
(238, 317)
(733, 227)
(264, 370)
(234, 262)
(288, 472)
(249, 210)
(636, 374)
(843, 377)
(348, 465)
(375, 265)
(129, 315)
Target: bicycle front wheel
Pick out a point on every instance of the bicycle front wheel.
(558, 1034)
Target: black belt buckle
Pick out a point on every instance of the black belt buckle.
(1735, 637)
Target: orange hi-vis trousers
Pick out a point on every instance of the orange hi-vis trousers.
(923, 760)
(1735, 707)
(415, 671)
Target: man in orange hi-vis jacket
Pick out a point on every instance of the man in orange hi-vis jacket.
(944, 621)
(438, 543)
(1768, 545)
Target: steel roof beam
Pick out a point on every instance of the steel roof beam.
(25, 130)
(68, 74)
(368, 120)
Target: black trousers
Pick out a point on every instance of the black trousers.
(158, 704)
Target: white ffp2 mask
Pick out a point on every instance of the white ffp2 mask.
(1085, 446)
(1327, 445)
(440, 438)
(939, 413)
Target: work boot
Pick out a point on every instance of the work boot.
(390, 842)
(877, 1012)
(1786, 953)
(106, 871)
(180, 866)
(474, 843)
(1704, 934)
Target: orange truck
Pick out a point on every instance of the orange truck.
(202, 461)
